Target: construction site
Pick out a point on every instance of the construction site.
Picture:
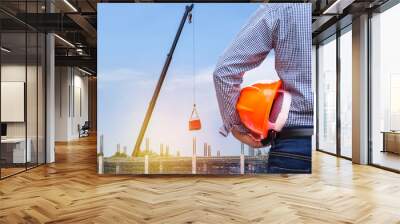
(150, 162)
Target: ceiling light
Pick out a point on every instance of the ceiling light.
(5, 50)
(84, 71)
(79, 51)
(70, 5)
(65, 41)
(338, 6)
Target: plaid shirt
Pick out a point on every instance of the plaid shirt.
(286, 28)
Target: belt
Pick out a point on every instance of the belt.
(287, 134)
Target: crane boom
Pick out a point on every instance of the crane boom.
(153, 100)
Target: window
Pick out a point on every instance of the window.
(385, 89)
(327, 96)
(346, 92)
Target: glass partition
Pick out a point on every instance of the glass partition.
(13, 90)
(22, 88)
(31, 100)
(34, 57)
(41, 96)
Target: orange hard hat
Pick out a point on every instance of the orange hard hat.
(255, 104)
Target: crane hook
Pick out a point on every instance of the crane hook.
(190, 17)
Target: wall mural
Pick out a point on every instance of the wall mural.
(159, 110)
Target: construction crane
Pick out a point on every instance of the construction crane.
(164, 71)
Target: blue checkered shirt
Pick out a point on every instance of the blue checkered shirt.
(285, 28)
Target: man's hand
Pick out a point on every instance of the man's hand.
(247, 139)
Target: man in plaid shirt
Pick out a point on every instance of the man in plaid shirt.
(286, 29)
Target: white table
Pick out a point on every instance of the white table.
(19, 155)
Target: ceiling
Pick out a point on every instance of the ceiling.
(75, 22)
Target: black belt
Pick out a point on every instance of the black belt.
(287, 134)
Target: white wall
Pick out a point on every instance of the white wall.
(71, 93)
(62, 81)
(80, 109)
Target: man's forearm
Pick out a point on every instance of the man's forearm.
(247, 51)
(227, 87)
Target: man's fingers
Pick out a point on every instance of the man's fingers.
(252, 142)
(255, 144)
(254, 138)
(247, 139)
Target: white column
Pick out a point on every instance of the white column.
(360, 90)
(100, 164)
(117, 168)
(241, 164)
(50, 99)
(146, 164)
(193, 164)
(100, 153)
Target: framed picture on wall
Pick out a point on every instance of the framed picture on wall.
(168, 96)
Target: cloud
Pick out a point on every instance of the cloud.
(183, 79)
(124, 74)
(266, 71)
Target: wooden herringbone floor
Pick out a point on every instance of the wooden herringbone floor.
(70, 191)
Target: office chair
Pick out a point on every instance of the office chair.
(84, 130)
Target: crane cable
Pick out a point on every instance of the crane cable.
(194, 122)
(194, 59)
(193, 62)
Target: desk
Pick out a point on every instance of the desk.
(13, 150)
(391, 141)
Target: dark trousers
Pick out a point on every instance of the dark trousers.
(292, 155)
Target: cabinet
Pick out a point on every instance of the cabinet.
(391, 141)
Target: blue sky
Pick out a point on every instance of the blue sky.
(133, 41)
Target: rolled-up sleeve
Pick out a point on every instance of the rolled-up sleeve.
(249, 48)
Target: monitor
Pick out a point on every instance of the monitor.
(3, 129)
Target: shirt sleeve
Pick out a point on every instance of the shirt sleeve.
(249, 48)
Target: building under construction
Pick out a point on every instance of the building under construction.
(185, 165)
(165, 163)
